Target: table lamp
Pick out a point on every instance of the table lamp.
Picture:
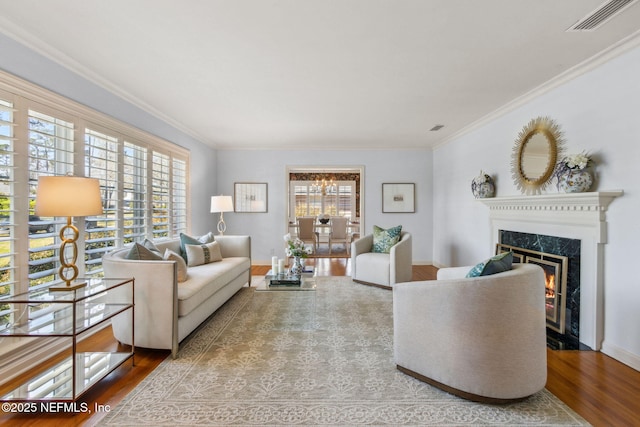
(221, 204)
(68, 196)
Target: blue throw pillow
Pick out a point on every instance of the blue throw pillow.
(383, 239)
(496, 264)
(187, 240)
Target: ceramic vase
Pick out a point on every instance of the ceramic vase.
(483, 186)
(296, 267)
(575, 181)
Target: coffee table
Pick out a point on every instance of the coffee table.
(286, 282)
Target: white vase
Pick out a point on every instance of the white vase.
(575, 181)
(483, 186)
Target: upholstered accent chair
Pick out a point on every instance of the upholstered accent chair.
(338, 232)
(480, 338)
(381, 269)
(307, 231)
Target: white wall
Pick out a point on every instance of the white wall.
(267, 229)
(30, 66)
(599, 112)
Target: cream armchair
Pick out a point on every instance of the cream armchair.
(379, 269)
(482, 338)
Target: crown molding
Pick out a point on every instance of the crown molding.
(604, 56)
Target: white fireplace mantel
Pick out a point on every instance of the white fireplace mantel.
(575, 216)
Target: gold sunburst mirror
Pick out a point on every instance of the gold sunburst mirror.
(535, 154)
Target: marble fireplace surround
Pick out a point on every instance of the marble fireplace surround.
(575, 216)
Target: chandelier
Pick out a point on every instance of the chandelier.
(324, 187)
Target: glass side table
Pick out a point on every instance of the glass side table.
(67, 316)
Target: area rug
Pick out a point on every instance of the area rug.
(338, 251)
(321, 358)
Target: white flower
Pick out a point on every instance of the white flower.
(577, 161)
(287, 237)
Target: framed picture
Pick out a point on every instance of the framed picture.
(250, 196)
(398, 198)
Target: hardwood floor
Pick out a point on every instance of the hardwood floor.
(602, 390)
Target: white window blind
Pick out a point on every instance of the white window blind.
(179, 196)
(7, 256)
(160, 195)
(101, 162)
(134, 202)
(51, 152)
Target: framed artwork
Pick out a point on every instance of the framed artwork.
(250, 196)
(398, 198)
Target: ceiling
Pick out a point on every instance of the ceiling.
(326, 74)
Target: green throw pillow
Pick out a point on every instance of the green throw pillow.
(139, 252)
(187, 240)
(496, 264)
(383, 239)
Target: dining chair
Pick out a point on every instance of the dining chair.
(307, 231)
(338, 232)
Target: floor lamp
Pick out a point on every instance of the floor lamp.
(221, 204)
(68, 196)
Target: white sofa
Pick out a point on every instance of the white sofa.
(380, 269)
(167, 311)
(481, 338)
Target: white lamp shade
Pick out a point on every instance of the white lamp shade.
(221, 204)
(68, 196)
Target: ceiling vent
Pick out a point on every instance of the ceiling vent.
(602, 14)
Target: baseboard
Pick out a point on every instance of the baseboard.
(621, 355)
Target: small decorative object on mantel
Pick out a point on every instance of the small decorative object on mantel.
(572, 173)
(296, 249)
(483, 186)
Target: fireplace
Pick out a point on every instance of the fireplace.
(575, 216)
(562, 286)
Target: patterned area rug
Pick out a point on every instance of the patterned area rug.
(308, 358)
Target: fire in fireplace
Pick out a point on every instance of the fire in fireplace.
(555, 269)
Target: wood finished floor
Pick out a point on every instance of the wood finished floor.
(602, 390)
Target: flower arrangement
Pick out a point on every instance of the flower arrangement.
(572, 162)
(324, 218)
(295, 247)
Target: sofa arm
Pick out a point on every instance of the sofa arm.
(156, 301)
(360, 246)
(401, 260)
(234, 246)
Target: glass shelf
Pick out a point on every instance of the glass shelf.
(65, 315)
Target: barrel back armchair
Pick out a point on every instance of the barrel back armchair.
(381, 269)
(481, 338)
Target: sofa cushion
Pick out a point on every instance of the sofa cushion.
(181, 264)
(203, 253)
(151, 246)
(189, 240)
(139, 252)
(495, 264)
(207, 279)
(383, 239)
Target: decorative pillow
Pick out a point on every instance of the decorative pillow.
(383, 239)
(188, 240)
(151, 246)
(170, 255)
(139, 252)
(203, 253)
(496, 264)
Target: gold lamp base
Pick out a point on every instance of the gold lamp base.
(68, 287)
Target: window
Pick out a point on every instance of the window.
(143, 180)
(309, 201)
(51, 152)
(7, 271)
(101, 162)
(134, 181)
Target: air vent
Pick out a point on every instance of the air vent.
(602, 14)
(436, 128)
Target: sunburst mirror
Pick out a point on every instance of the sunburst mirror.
(535, 155)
